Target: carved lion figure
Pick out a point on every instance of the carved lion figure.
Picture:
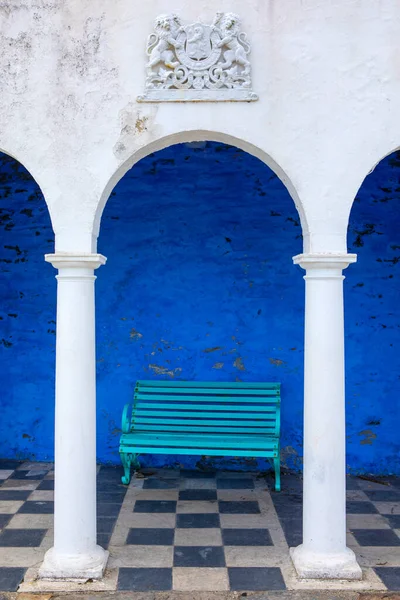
(235, 42)
(161, 44)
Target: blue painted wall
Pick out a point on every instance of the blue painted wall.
(372, 292)
(199, 285)
(27, 317)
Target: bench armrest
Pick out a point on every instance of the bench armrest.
(126, 419)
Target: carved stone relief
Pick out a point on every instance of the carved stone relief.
(198, 62)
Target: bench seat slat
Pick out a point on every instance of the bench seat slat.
(193, 440)
(198, 451)
(215, 422)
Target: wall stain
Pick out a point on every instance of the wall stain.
(135, 335)
(370, 436)
(276, 361)
(165, 371)
(238, 364)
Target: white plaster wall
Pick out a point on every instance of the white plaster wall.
(327, 73)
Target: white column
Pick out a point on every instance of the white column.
(75, 553)
(323, 554)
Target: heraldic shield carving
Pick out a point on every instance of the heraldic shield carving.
(198, 62)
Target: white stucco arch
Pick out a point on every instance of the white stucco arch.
(197, 136)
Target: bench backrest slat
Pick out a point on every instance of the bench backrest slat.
(209, 407)
(207, 384)
(203, 429)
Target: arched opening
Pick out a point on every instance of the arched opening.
(372, 323)
(199, 285)
(201, 136)
(27, 317)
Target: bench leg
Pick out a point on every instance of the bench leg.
(135, 462)
(126, 463)
(129, 460)
(277, 465)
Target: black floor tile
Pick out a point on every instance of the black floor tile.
(394, 521)
(151, 537)
(110, 486)
(287, 498)
(10, 578)
(197, 520)
(238, 508)
(195, 474)
(103, 539)
(199, 556)
(286, 511)
(161, 484)
(106, 509)
(116, 497)
(4, 520)
(198, 495)
(386, 481)
(26, 538)
(106, 524)
(110, 474)
(8, 464)
(392, 480)
(290, 483)
(110, 478)
(383, 495)
(14, 494)
(255, 578)
(352, 483)
(37, 507)
(144, 580)
(235, 484)
(162, 473)
(376, 537)
(46, 484)
(288, 504)
(355, 507)
(29, 475)
(246, 537)
(293, 538)
(390, 577)
(233, 474)
(155, 506)
(293, 530)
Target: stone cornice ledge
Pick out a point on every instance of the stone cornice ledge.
(333, 260)
(80, 260)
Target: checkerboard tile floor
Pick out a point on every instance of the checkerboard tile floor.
(193, 530)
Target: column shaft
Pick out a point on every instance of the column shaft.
(323, 553)
(75, 552)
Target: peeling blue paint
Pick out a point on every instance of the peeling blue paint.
(199, 285)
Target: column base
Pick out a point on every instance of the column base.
(314, 565)
(74, 566)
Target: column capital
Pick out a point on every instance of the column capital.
(328, 262)
(79, 260)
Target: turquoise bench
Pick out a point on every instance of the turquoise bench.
(211, 419)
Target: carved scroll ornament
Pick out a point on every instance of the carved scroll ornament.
(198, 62)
